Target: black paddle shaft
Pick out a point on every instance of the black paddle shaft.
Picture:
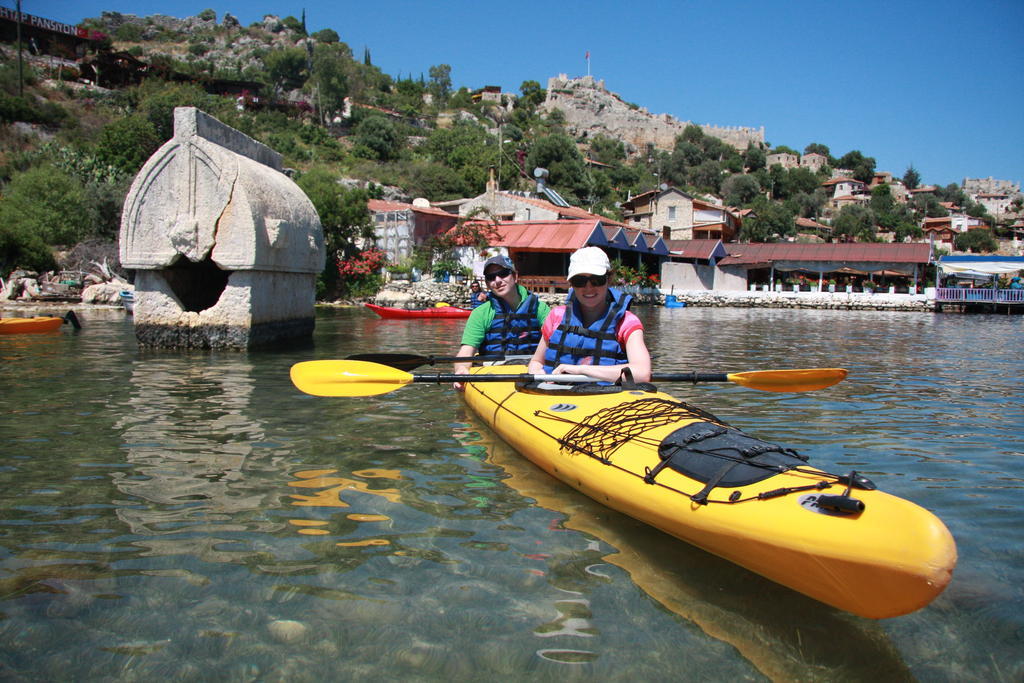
(693, 377)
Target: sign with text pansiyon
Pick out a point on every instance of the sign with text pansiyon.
(48, 24)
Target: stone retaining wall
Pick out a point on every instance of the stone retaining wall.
(426, 294)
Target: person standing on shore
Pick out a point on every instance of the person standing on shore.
(508, 324)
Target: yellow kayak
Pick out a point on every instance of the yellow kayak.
(29, 325)
(832, 537)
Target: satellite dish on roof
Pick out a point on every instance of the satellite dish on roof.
(540, 173)
(663, 187)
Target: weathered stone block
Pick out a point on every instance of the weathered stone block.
(226, 247)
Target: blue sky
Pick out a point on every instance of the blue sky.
(934, 84)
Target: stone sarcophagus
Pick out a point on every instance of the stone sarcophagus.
(226, 248)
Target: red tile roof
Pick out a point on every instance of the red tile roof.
(758, 253)
(700, 249)
(802, 222)
(556, 236)
(567, 211)
(381, 206)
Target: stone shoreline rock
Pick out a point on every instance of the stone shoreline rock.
(426, 294)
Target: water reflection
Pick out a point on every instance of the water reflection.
(782, 633)
(197, 457)
(169, 515)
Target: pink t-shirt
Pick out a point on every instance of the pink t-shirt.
(627, 326)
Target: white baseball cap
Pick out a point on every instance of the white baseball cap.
(589, 260)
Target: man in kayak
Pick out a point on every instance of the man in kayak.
(477, 296)
(509, 323)
(594, 334)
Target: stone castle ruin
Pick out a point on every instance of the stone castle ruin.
(591, 110)
(226, 247)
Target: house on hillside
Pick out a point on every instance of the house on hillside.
(945, 228)
(541, 249)
(676, 215)
(812, 228)
(399, 228)
(714, 221)
(813, 161)
(996, 203)
(668, 212)
(846, 191)
(783, 159)
(505, 205)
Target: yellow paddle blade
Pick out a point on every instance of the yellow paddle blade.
(789, 380)
(347, 378)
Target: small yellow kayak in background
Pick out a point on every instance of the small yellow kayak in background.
(29, 325)
(37, 324)
(835, 538)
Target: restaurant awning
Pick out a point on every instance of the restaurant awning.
(981, 264)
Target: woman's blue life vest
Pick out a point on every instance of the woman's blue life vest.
(473, 300)
(572, 342)
(512, 332)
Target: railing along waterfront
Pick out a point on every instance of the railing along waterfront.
(979, 294)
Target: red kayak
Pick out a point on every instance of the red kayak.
(405, 314)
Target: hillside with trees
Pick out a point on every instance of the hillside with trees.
(349, 132)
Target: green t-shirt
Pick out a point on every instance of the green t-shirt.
(483, 315)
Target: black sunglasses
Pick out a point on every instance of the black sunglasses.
(580, 281)
(503, 273)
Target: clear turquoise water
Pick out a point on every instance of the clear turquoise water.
(193, 516)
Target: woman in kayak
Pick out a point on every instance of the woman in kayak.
(509, 323)
(593, 334)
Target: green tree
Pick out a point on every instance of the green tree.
(911, 178)
(465, 148)
(294, 24)
(286, 68)
(978, 241)
(344, 216)
(883, 206)
(607, 150)
(707, 176)
(376, 137)
(773, 221)
(329, 77)
(559, 155)
(42, 207)
(440, 81)
(156, 101)
(740, 190)
(531, 94)
(818, 148)
(127, 143)
(326, 35)
(754, 157)
(855, 221)
(863, 167)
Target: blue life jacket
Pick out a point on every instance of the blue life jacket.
(572, 341)
(473, 301)
(512, 332)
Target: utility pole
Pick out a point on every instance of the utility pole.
(21, 80)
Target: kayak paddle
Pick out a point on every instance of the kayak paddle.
(360, 378)
(409, 361)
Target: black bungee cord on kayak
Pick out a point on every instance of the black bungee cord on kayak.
(708, 451)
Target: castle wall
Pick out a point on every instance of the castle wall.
(592, 110)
